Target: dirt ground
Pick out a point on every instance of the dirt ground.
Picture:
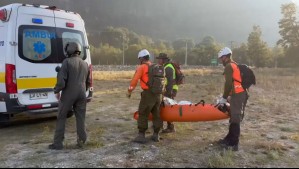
(269, 132)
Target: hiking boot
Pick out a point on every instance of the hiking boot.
(233, 148)
(140, 138)
(222, 142)
(169, 129)
(80, 144)
(55, 147)
(156, 137)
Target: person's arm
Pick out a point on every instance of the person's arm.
(88, 80)
(170, 82)
(136, 77)
(228, 73)
(61, 78)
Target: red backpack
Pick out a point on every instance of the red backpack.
(179, 76)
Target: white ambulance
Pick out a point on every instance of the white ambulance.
(32, 40)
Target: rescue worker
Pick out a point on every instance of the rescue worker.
(149, 103)
(72, 81)
(238, 98)
(170, 86)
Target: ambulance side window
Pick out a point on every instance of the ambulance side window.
(37, 44)
(72, 37)
(40, 44)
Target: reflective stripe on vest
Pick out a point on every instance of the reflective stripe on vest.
(176, 87)
(237, 78)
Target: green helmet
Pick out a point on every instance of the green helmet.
(72, 48)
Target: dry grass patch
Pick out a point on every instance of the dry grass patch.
(95, 138)
(270, 79)
(223, 159)
(286, 129)
(45, 136)
(271, 146)
(198, 72)
(112, 75)
(295, 137)
(117, 75)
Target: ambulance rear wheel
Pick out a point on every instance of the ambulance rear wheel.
(4, 120)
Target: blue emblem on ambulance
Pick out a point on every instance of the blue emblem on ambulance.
(39, 48)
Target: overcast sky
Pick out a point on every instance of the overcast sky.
(225, 20)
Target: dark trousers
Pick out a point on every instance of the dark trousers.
(170, 125)
(149, 103)
(237, 106)
(79, 108)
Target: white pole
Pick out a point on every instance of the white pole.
(123, 51)
(186, 56)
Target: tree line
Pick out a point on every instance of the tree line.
(117, 46)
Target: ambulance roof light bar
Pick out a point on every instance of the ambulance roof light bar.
(70, 25)
(37, 20)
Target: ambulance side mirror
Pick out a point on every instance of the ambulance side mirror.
(57, 69)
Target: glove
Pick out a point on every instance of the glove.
(57, 95)
(129, 94)
(222, 101)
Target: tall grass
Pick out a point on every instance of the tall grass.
(223, 159)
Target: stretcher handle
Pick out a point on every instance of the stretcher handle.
(201, 102)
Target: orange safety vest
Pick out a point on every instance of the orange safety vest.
(237, 78)
(142, 75)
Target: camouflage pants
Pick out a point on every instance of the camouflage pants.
(149, 103)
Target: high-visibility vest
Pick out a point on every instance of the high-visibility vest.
(237, 78)
(175, 87)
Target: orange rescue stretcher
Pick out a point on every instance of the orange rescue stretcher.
(189, 113)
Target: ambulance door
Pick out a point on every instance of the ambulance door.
(70, 28)
(36, 57)
(3, 52)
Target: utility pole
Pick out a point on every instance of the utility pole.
(123, 50)
(186, 55)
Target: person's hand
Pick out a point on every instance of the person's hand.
(173, 95)
(128, 94)
(229, 99)
(57, 95)
(168, 94)
(222, 101)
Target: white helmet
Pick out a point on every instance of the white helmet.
(224, 51)
(143, 53)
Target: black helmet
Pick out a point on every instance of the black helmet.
(72, 48)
